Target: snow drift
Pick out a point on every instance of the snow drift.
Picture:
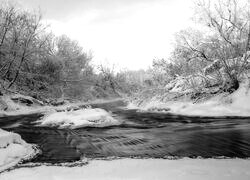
(13, 149)
(235, 104)
(80, 118)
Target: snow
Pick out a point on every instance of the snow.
(136, 169)
(25, 110)
(13, 149)
(20, 109)
(236, 104)
(35, 101)
(81, 118)
(185, 84)
(177, 85)
(15, 109)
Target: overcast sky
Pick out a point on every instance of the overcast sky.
(128, 33)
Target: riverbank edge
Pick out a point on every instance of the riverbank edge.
(18, 104)
(207, 102)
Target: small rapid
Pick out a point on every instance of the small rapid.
(141, 134)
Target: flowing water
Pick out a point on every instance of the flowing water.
(142, 134)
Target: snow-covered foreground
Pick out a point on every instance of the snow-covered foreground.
(236, 104)
(144, 169)
(81, 118)
(13, 149)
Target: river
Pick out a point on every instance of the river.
(142, 135)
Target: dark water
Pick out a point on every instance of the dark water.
(141, 134)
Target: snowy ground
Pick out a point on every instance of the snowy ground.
(81, 118)
(236, 104)
(13, 150)
(139, 169)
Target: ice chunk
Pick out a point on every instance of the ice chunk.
(80, 118)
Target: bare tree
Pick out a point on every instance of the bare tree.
(230, 22)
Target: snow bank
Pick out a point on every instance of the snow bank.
(236, 104)
(80, 118)
(13, 149)
(144, 169)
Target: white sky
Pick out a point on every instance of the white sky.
(128, 33)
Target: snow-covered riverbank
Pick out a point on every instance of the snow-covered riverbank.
(13, 105)
(13, 150)
(144, 169)
(17, 104)
(235, 104)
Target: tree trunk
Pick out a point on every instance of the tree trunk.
(18, 70)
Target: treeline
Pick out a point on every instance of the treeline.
(33, 60)
(217, 53)
(37, 63)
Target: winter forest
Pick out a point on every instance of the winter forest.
(62, 111)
